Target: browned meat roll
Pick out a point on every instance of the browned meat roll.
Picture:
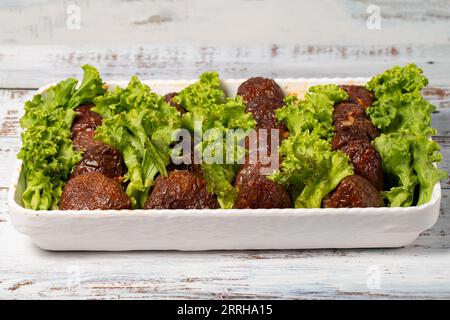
(359, 95)
(347, 112)
(83, 128)
(255, 190)
(263, 111)
(366, 161)
(181, 189)
(351, 123)
(262, 97)
(359, 129)
(259, 86)
(103, 159)
(354, 191)
(91, 191)
(353, 135)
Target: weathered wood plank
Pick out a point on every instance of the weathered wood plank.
(249, 22)
(35, 66)
(11, 108)
(444, 143)
(8, 151)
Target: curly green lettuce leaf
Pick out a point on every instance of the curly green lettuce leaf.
(48, 156)
(399, 103)
(90, 87)
(208, 106)
(403, 116)
(398, 80)
(314, 112)
(318, 93)
(426, 153)
(206, 102)
(135, 95)
(140, 124)
(220, 182)
(43, 108)
(310, 168)
(407, 160)
(205, 93)
(397, 163)
(64, 94)
(403, 111)
(47, 151)
(227, 115)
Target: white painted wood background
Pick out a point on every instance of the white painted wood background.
(179, 39)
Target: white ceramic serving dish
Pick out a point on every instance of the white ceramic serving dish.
(222, 229)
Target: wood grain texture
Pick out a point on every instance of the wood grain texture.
(215, 23)
(35, 66)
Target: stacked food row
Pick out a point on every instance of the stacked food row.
(86, 146)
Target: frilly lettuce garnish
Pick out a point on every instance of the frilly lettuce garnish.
(140, 124)
(403, 116)
(310, 169)
(314, 112)
(47, 151)
(399, 102)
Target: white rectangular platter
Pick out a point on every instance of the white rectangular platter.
(222, 229)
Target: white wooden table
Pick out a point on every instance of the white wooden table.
(180, 39)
